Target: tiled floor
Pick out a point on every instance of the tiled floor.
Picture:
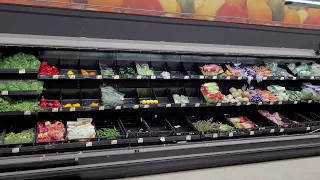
(296, 169)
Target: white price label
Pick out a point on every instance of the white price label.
(146, 106)
(72, 76)
(215, 135)
(239, 78)
(311, 77)
(55, 76)
(15, 150)
(218, 104)
(201, 77)
(22, 71)
(310, 101)
(239, 104)
(294, 78)
(231, 134)
(168, 105)
(88, 144)
(295, 102)
(271, 130)
(72, 109)
(228, 77)
(101, 108)
(186, 77)
(271, 103)
(113, 142)
(116, 77)
(214, 77)
(259, 103)
(183, 105)
(264, 78)
(308, 129)
(27, 112)
(162, 139)
(140, 140)
(54, 110)
(197, 105)
(251, 133)
(138, 77)
(153, 77)
(135, 106)
(281, 130)
(117, 107)
(188, 138)
(280, 102)
(99, 77)
(4, 93)
(281, 78)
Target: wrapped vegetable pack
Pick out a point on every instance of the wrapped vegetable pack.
(283, 94)
(81, 129)
(241, 123)
(276, 70)
(310, 91)
(211, 92)
(211, 70)
(275, 117)
(204, 126)
(305, 69)
(105, 70)
(180, 98)
(26, 136)
(50, 132)
(111, 97)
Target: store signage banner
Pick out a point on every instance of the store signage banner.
(262, 12)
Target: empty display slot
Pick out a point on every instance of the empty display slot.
(70, 96)
(145, 94)
(134, 128)
(163, 95)
(181, 126)
(130, 96)
(176, 69)
(90, 97)
(179, 95)
(273, 117)
(158, 126)
(191, 68)
(89, 67)
(159, 67)
(51, 95)
(126, 68)
(69, 65)
(195, 95)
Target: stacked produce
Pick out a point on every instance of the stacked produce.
(22, 86)
(305, 70)
(105, 70)
(144, 102)
(7, 105)
(180, 98)
(263, 71)
(81, 129)
(144, 69)
(283, 94)
(26, 136)
(204, 126)
(276, 70)
(238, 95)
(211, 70)
(275, 117)
(50, 132)
(54, 104)
(127, 71)
(235, 70)
(241, 122)
(267, 96)
(70, 72)
(86, 73)
(45, 69)
(211, 92)
(111, 97)
(255, 96)
(20, 61)
(310, 91)
(109, 133)
(72, 105)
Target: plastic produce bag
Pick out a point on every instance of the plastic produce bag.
(310, 91)
(111, 97)
(144, 70)
(105, 70)
(80, 129)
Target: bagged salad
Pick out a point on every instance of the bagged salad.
(111, 97)
(276, 70)
(305, 70)
(310, 91)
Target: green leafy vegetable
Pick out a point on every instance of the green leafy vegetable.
(7, 105)
(22, 86)
(110, 133)
(25, 136)
(20, 61)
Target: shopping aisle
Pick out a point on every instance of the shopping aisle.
(296, 169)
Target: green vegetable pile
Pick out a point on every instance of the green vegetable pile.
(25, 136)
(22, 86)
(7, 105)
(208, 126)
(110, 133)
(20, 61)
(127, 71)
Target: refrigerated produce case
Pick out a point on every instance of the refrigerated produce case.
(115, 108)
